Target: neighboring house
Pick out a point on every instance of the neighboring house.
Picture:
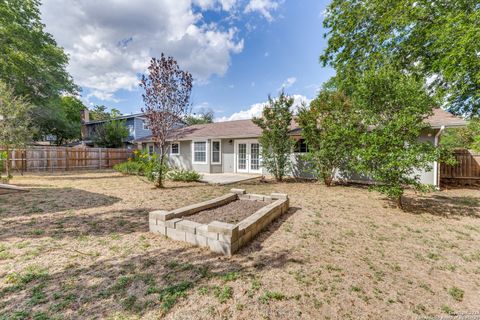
(136, 124)
(233, 147)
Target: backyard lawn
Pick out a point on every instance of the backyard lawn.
(78, 246)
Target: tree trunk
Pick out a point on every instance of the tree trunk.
(7, 164)
(399, 202)
(327, 179)
(159, 183)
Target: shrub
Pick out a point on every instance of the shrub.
(183, 175)
(130, 167)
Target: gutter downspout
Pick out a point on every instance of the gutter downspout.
(436, 173)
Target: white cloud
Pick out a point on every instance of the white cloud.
(288, 83)
(226, 5)
(255, 110)
(111, 41)
(264, 7)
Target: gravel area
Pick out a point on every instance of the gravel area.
(234, 212)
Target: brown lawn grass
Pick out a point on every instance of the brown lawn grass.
(78, 246)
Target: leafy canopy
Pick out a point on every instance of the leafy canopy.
(63, 121)
(330, 128)
(111, 134)
(463, 138)
(275, 139)
(31, 63)
(393, 107)
(202, 117)
(438, 40)
(100, 112)
(15, 121)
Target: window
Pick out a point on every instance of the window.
(301, 146)
(175, 148)
(199, 152)
(150, 150)
(145, 125)
(216, 151)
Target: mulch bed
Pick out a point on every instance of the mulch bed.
(233, 212)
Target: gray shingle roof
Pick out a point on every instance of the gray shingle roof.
(247, 129)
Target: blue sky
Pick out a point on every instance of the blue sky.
(238, 51)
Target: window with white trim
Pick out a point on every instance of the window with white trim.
(200, 152)
(150, 150)
(175, 148)
(145, 125)
(216, 151)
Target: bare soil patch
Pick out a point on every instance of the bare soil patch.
(77, 246)
(232, 212)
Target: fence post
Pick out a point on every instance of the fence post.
(66, 158)
(99, 158)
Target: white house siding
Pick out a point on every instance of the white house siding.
(184, 159)
(299, 166)
(228, 155)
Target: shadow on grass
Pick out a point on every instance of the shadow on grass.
(151, 282)
(51, 200)
(445, 206)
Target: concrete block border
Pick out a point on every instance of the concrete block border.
(220, 237)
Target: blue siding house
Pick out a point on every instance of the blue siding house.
(136, 124)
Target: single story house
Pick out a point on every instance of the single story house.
(233, 146)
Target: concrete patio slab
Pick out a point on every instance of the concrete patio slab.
(227, 178)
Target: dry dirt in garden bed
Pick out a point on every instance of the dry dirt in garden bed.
(233, 212)
(77, 246)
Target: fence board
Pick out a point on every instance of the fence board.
(66, 158)
(466, 171)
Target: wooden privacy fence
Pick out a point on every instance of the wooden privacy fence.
(466, 171)
(66, 158)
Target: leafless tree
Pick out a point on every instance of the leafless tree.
(167, 102)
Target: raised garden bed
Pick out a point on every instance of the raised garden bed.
(223, 224)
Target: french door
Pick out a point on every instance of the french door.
(247, 156)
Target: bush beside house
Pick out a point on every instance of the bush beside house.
(144, 164)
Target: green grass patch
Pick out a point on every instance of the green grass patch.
(268, 296)
(170, 295)
(223, 293)
(456, 293)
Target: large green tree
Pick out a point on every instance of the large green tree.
(439, 40)
(100, 112)
(393, 108)
(15, 120)
(201, 117)
(111, 134)
(31, 62)
(62, 122)
(275, 140)
(330, 127)
(463, 138)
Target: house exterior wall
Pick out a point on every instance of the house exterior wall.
(130, 124)
(200, 167)
(134, 125)
(228, 155)
(300, 168)
(184, 159)
(138, 129)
